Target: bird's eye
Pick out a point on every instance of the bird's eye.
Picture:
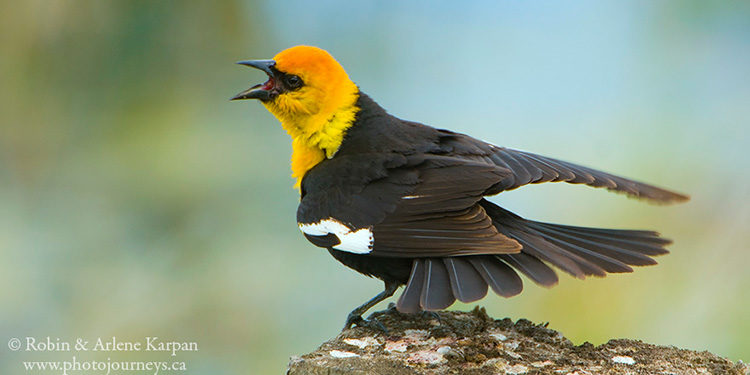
(293, 81)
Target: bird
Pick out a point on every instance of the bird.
(407, 203)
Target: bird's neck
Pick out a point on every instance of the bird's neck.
(319, 136)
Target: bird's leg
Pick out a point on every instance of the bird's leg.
(355, 317)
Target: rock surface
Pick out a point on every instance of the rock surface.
(472, 343)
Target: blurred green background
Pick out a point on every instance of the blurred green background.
(136, 200)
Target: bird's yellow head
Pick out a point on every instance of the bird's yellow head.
(312, 96)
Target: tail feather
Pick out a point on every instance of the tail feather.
(498, 275)
(621, 233)
(466, 283)
(436, 292)
(541, 249)
(616, 250)
(594, 256)
(532, 267)
(435, 283)
(598, 264)
(594, 251)
(647, 243)
(409, 300)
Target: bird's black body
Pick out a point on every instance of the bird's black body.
(392, 269)
(419, 192)
(405, 202)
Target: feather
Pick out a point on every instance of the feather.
(498, 275)
(532, 267)
(409, 300)
(467, 284)
(436, 291)
(528, 168)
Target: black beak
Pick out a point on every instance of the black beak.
(259, 91)
(264, 65)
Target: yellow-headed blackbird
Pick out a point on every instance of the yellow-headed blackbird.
(405, 202)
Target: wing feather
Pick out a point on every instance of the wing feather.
(529, 168)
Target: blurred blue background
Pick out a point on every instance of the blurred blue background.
(138, 201)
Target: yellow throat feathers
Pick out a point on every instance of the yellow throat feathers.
(318, 114)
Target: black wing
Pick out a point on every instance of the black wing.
(413, 206)
(528, 168)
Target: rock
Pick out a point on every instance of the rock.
(472, 343)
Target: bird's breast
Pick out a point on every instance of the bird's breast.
(304, 158)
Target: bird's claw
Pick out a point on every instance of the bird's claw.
(351, 320)
(372, 323)
(431, 315)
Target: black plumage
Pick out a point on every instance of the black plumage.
(420, 192)
(405, 202)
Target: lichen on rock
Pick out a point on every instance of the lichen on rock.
(472, 343)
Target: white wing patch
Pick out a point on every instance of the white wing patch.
(358, 241)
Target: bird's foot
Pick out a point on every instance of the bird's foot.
(424, 314)
(359, 321)
(431, 315)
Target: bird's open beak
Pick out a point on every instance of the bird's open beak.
(262, 91)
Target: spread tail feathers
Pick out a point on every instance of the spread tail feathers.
(435, 283)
